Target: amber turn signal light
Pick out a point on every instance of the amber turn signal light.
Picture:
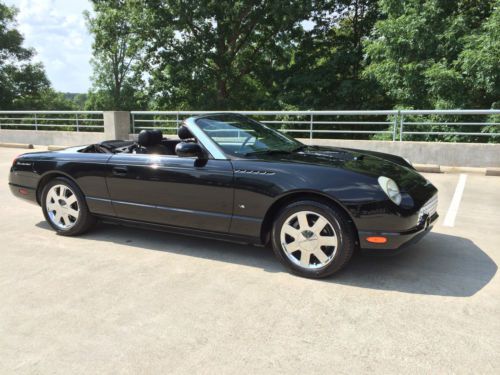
(376, 239)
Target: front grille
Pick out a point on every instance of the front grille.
(428, 209)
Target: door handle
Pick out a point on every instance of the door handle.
(120, 171)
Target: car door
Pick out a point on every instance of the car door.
(170, 190)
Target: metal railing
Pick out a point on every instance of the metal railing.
(396, 125)
(303, 123)
(53, 120)
(389, 125)
(449, 123)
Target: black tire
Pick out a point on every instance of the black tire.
(344, 232)
(78, 226)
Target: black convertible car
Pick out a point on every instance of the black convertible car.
(228, 176)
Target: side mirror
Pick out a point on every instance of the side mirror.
(189, 150)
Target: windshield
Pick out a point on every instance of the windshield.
(240, 136)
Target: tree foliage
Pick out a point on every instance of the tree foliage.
(479, 61)
(219, 54)
(256, 54)
(325, 71)
(118, 50)
(429, 54)
(355, 54)
(22, 82)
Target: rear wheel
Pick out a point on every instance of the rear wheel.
(313, 239)
(64, 207)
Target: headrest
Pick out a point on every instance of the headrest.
(184, 133)
(149, 137)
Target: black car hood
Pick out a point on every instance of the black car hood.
(367, 163)
(348, 154)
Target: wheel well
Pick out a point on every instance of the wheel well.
(267, 224)
(44, 181)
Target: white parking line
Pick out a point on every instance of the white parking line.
(449, 220)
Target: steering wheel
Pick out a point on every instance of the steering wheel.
(245, 143)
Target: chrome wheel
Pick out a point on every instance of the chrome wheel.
(309, 240)
(62, 206)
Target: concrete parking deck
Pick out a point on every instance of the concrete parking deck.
(121, 300)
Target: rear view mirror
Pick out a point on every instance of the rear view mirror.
(189, 150)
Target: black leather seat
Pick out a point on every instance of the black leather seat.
(184, 134)
(170, 145)
(151, 140)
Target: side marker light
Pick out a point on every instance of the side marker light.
(376, 239)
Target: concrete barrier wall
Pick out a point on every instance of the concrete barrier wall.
(116, 125)
(440, 153)
(47, 137)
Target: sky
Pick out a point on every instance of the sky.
(56, 30)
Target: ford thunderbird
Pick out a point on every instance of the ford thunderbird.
(230, 177)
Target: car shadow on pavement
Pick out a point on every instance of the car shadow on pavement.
(439, 264)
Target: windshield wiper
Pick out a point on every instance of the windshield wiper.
(300, 148)
(267, 152)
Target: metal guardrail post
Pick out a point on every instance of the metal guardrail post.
(77, 125)
(36, 123)
(133, 122)
(395, 127)
(311, 128)
(401, 120)
(177, 121)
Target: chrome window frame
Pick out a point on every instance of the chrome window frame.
(207, 142)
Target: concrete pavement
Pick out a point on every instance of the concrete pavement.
(122, 300)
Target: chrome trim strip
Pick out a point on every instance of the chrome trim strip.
(99, 199)
(205, 140)
(165, 208)
(193, 212)
(172, 209)
(134, 204)
(246, 218)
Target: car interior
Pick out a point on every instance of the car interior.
(149, 141)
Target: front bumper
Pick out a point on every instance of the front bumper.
(396, 241)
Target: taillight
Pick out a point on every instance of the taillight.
(15, 159)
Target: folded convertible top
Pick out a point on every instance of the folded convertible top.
(108, 147)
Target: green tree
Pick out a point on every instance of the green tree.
(23, 83)
(479, 62)
(219, 54)
(118, 52)
(325, 71)
(416, 52)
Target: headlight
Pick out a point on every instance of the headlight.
(390, 188)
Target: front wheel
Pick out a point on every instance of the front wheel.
(64, 207)
(312, 239)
